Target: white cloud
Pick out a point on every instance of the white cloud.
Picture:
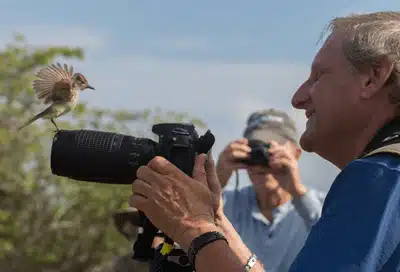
(222, 94)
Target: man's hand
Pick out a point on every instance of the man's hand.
(180, 206)
(236, 150)
(284, 164)
(184, 208)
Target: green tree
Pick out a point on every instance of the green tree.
(49, 223)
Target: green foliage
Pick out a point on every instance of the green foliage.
(49, 223)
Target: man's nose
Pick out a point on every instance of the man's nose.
(300, 97)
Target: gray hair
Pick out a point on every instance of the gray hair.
(372, 37)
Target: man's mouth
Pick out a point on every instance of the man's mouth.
(309, 113)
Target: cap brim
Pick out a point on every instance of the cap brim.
(267, 136)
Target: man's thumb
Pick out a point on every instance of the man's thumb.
(211, 175)
(199, 171)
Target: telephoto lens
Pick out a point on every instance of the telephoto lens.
(96, 156)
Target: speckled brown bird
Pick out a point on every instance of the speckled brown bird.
(59, 86)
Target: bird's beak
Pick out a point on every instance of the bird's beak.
(90, 87)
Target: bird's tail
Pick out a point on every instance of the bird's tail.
(34, 118)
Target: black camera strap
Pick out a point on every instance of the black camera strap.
(386, 140)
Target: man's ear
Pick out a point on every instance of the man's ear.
(375, 77)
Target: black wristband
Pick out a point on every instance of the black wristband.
(202, 240)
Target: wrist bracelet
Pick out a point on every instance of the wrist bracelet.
(251, 262)
(202, 240)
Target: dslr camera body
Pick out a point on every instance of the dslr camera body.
(105, 157)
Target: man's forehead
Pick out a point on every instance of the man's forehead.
(330, 51)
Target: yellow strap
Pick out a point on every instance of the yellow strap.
(166, 248)
(393, 148)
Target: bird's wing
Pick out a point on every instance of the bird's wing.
(54, 83)
(61, 92)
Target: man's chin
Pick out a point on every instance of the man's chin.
(306, 142)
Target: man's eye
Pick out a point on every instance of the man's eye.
(318, 76)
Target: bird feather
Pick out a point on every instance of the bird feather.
(54, 83)
(37, 116)
(61, 92)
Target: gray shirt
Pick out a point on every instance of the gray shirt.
(276, 244)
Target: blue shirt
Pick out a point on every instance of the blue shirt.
(359, 229)
(276, 244)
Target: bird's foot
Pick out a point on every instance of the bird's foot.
(54, 123)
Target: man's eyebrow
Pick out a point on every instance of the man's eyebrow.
(318, 67)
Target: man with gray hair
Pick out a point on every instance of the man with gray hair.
(275, 212)
(351, 100)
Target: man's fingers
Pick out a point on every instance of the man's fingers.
(139, 202)
(162, 165)
(238, 150)
(278, 163)
(273, 144)
(277, 151)
(242, 141)
(199, 171)
(142, 188)
(211, 174)
(149, 175)
(276, 157)
(240, 147)
(238, 154)
(274, 149)
(141, 192)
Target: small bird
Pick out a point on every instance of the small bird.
(60, 86)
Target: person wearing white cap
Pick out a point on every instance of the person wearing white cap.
(274, 214)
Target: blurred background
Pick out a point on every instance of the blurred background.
(211, 63)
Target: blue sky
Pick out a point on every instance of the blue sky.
(219, 60)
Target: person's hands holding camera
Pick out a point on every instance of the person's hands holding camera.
(229, 157)
(283, 163)
(180, 206)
